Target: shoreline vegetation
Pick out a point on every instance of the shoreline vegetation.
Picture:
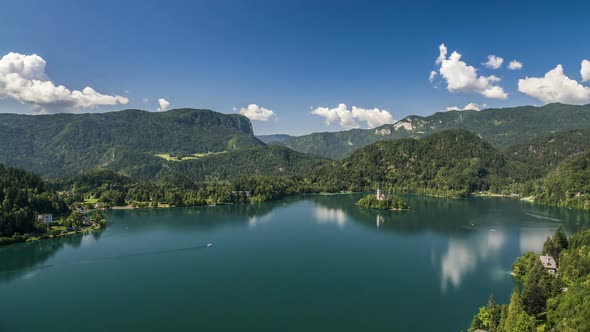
(75, 223)
(102, 189)
(453, 163)
(553, 292)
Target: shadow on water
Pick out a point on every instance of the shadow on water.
(202, 218)
(20, 259)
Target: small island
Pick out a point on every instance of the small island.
(381, 201)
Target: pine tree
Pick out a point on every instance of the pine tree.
(560, 242)
(517, 319)
(549, 247)
(495, 313)
(503, 316)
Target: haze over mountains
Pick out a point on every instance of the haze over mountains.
(501, 127)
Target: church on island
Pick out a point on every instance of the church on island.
(379, 195)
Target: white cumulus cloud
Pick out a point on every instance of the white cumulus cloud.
(432, 76)
(585, 70)
(163, 104)
(514, 65)
(348, 118)
(23, 78)
(461, 77)
(494, 62)
(258, 113)
(339, 114)
(468, 107)
(555, 86)
(374, 117)
(442, 54)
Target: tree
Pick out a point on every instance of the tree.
(488, 317)
(503, 316)
(517, 319)
(539, 286)
(570, 311)
(560, 239)
(75, 219)
(523, 264)
(535, 299)
(481, 320)
(495, 313)
(549, 247)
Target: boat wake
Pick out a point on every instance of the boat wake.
(539, 216)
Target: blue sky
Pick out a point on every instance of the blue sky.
(291, 57)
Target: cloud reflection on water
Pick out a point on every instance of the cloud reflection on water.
(463, 255)
(330, 215)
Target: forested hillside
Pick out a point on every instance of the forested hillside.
(568, 185)
(266, 160)
(545, 153)
(454, 162)
(23, 195)
(500, 127)
(68, 144)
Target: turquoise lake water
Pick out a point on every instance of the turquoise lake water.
(309, 263)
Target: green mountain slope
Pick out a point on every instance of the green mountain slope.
(545, 153)
(266, 160)
(68, 144)
(568, 185)
(453, 162)
(500, 127)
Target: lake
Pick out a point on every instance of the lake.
(308, 263)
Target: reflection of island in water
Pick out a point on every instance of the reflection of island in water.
(23, 259)
(477, 231)
(449, 215)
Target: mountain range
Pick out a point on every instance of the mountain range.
(502, 127)
(195, 145)
(177, 145)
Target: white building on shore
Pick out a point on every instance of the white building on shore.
(549, 263)
(45, 218)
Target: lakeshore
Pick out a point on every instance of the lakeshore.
(302, 241)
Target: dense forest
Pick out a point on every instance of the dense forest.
(23, 196)
(546, 301)
(546, 152)
(453, 163)
(265, 160)
(568, 185)
(62, 145)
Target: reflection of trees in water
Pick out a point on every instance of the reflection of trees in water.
(425, 213)
(201, 217)
(20, 259)
(478, 229)
(457, 216)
